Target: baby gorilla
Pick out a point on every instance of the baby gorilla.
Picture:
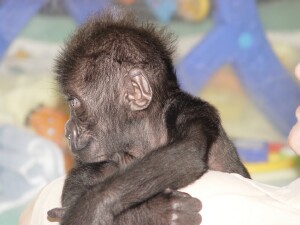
(134, 134)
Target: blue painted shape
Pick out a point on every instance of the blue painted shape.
(196, 68)
(252, 151)
(14, 15)
(3, 45)
(162, 9)
(80, 10)
(238, 38)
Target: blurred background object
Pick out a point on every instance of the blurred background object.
(238, 55)
(27, 163)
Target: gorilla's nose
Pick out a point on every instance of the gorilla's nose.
(68, 130)
(77, 141)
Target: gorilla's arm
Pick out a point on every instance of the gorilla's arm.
(170, 207)
(159, 210)
(172, 166)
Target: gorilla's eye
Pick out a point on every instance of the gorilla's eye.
(74, 102)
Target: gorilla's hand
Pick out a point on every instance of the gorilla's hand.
(167, 208)
(56, 213)
(174, 207)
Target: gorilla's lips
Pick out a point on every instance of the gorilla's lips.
(79, 144)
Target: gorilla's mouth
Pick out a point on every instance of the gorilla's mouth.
(90, 154)
(87, 158)
(79, 145)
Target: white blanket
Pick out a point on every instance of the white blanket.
(227, 199)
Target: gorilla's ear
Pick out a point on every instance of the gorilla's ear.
(138, 94)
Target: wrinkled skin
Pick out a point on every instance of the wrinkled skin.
(128, 113)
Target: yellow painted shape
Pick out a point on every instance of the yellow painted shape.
(271, 166)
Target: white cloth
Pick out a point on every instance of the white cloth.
(234, 200)
(228, 199)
